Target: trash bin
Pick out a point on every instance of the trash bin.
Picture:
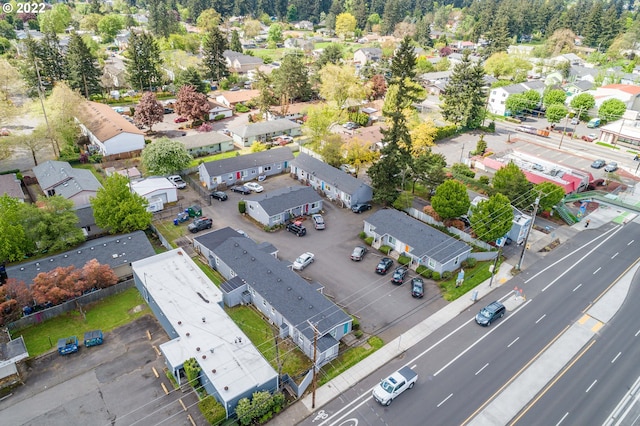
(194, 211)
(175, 222)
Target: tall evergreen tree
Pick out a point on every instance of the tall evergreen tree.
(143, 62)
(403, 64)
(235, 44)
(498, 36)
(214, 61)
(359, 11)
(464, 100)
(53, 66)
(163, 19)
(291, 80)
(83, 73)
(610, 27)
(593, 25)
(423, 32)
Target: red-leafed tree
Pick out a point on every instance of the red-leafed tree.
(148, 111)
(13, 296)
(191, 104)
(96, 275)
(9, 309)
(378, 87)
(19, 291)
(58, 285)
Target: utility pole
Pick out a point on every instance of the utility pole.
(564, 130)
(526, 238)
(315, 355)
(54, 143)
(495, 264)
(462, 153)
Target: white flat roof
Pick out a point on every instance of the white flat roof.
(148, 185)
(193, 305)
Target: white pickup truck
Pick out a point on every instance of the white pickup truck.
(394, 385)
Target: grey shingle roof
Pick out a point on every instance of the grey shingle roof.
(52, 173)
(321, 170)
(113, 251)
(203, 139)
(285, 290)
(264, 127)
(425, 240)
(244, 162)
(283, 199)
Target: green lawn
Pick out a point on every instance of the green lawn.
(197, 161)
(210, 273)
(348, 359)
(105, 315)
(261, 335)
(472, 278)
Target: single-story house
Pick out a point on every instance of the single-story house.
(117, 251)
(292, 112)
(520, 224)
(218, 108)
(242, 168)
(10, 185)
(277, 207)
(423, 244)
(190, 309)
(304, 25)
(12, 351)
(246, 135)
(87, 222)
(59, 178)
(367, 54)
(334, 183)
(231, 98)
(241, 63)
(577, 87)
(293, 305)
(109, 132)
(206, 143)
(157, 190)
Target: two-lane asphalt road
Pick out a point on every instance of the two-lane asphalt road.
(463, 366)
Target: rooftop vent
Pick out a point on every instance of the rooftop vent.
(92, 248)
(105, 244)
(79, 251)
(179, 252)
(204, 357)
(50, 260)
(289, 288)
(253, 258)
(129, 237)
(198, 349)
(66, 255)
(114, 256)
(310, 306)
(213, 371)
(279, 279)
(226, 388)
(299, 297)
(188, 334)
(244, 252)
(179, 322)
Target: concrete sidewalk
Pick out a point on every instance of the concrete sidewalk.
(302, 409)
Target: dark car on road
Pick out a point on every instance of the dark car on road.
(358, 253)
(611, 167)
(219, 195)
(417, 287)
(384, 265)
(241, 190)
(490, 313)
(359, 208)
(199, 224)
(297, 229)
(598, 164)
(399, 274)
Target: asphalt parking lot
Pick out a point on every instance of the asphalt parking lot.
(111, 384)
(383, 308)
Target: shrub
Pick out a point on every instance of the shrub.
(242, 108)
(212, 410)
(218, 117)
(435, 276)
(431, 212)
(205, 127)
(385, 249)
(404, 260)
(446, 275)
(358, 334)
(362, 235)
(462, 169)
(355, 324)
(368, 240)
(242, 207)
(424, 272)
(471, 262)
(445, 132)
(484, 180)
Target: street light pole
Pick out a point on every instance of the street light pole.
(526, 238)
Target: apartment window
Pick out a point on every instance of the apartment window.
(273, 310)
(253, 171)
(253, 291)
(279, 166)
(391, 240)
(244, 173)
(314, 205)
(301, 338)
(264, 302)
(267, 168)
(251, 206)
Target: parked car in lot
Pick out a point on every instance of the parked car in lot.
(318, 221)
(200, 224)
(219, 195)
(384, 265)
(358, 253)
(241, 190)
(490, 313)
(417, 287)
(304, 260)
(611, 167)
(297, 229)
(178, 182)
(399, 274)
(348, 168)
(589, 138)
(254, 186)
(593, 123)
(168, 111)
(575, 121)
(180, 120)
(350, 125)
(598, 164)
(359, 208)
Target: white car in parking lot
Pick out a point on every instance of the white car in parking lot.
(304, 260)
(177, 182)
(254, 186)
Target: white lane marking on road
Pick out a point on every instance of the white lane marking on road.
(480, 339)
(514, 340)
(590, 386)
(577, 287)
(562, 419)
(444, 400)
(483, 367)
(578, 262)
(615, 255)
(596, 271)
(630, 242)
(541, 318)
(570, 254)
(637, 332)
(616, 357)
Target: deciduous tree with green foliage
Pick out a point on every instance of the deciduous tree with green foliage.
(611, 110)
(550, 195)
(428, 169)
(582, 103)
(14, 244)
(513, 183)
(463, 102)
(331, 150)
(339, 84)
(108, 27)
(165, 156)
(359, 152)
(208, 19)
(148, 111)
(555, 113)
(345, 25)
(451, 200)
(143, 62)
(52, 223)
(492, 219)
(56, 19)
(118, 209)
(554, 97)
(215, 43)
(274, 35)
(83, 73)
(319, 119)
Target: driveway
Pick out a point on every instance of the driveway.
(382, 308)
